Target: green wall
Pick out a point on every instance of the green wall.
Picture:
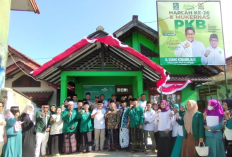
(188, 94)
(137, 38)
(103, 81)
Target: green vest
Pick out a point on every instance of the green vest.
(197, 126)
(40, 125)
(136, 116)
(85, 122)
(69, 121)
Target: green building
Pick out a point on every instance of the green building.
(100, 68)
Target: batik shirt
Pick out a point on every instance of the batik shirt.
(113, 119)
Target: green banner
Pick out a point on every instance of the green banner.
(190, 33)
(97, 90)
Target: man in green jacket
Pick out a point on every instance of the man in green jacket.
(69, 117)
(136, 124)
(86, 128)
(42, 129)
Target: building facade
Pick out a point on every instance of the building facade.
(101, 68)
(17, 77)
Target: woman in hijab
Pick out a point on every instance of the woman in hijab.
(164, 117)
(174, 125)
(13, 146)
(193, 132)
(65, 105)
(56, 133)
(176, 151)
(52, 111)
(28, 117)
(227, 105)
(155, 124)
(213, 134)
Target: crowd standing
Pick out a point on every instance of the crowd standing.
(78, 125)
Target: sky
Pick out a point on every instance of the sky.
(63, 23)
(60, 25)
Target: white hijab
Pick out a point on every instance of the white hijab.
(32, 113)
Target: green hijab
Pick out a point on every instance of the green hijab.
(177, 106)
(66, 107)
(181, 113)
(53, 112)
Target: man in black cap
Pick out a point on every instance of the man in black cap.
(113, 98)
(74, 98)
(42, 129)
(105, 103)
(113, 119)
(88, 96)
(118, 104)
(136, 125)
(99, 126)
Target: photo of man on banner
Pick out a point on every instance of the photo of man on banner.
(213, 55)
(190, 47)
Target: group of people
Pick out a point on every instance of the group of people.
(174, 130)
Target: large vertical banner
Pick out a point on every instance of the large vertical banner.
(190, 33)
(4, 29)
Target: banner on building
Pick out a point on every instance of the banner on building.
(97, 90)
(190, 33)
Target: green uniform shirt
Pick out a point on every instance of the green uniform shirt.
(69, 121)
(85, 122)
(136, 116)
(41, 122)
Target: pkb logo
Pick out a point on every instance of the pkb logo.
(201, 6)
(175, 6)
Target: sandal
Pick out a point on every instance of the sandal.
(132, 152)
(145, 151)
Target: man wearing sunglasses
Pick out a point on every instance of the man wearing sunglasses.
(42, 129)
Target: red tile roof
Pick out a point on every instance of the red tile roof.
(39, 97)
(35, 6)
(30, 62)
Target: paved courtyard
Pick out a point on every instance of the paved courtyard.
(112, 154)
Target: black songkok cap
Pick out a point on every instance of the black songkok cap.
(111, 101)
(86, 103)
(99, 102)
(134, 99)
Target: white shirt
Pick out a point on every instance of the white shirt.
(119, 106)
(90, 102)
(74, 105)
(175, 126)
(164, 121)
(149, 117)
(105, 103)
(155, 122)
(143, 104)
(195, 50)
(216, 56)
(2, 118)
(57, 127)
(99, 119)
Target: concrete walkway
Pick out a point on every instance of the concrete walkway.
(112, 154)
